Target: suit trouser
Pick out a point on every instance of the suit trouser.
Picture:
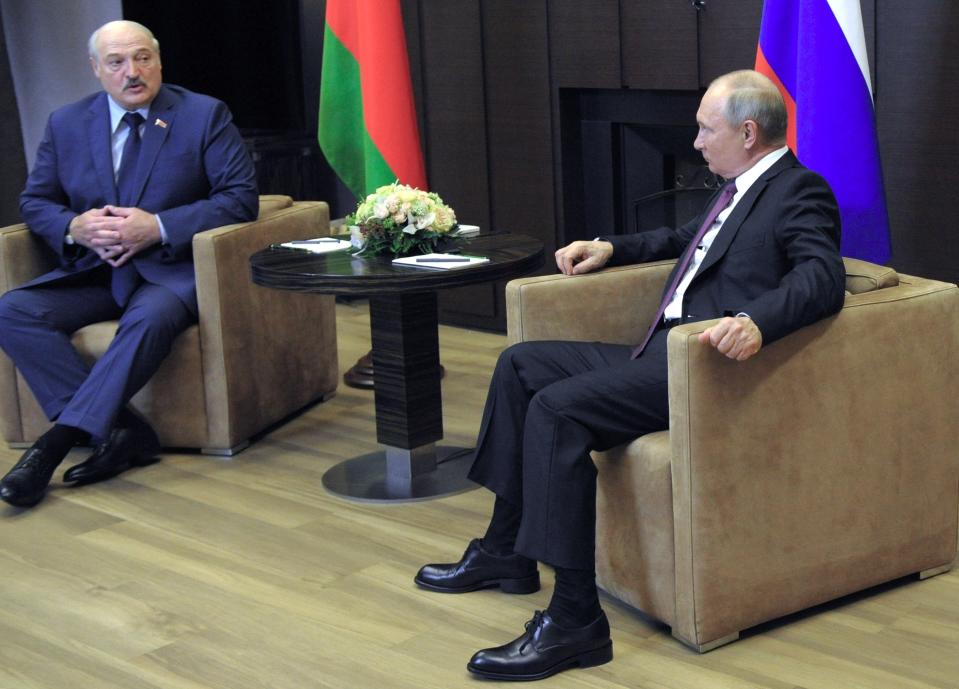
(549, 405)
(35, 328)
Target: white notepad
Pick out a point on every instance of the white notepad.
(440, 261)
(320, 245)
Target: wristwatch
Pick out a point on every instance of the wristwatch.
(69, 240)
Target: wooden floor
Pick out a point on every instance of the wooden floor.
(233, 574)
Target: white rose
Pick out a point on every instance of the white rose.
(425, 221)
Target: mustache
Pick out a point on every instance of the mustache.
(132, 82)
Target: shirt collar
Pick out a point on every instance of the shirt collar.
(746, 179)
(117, 113)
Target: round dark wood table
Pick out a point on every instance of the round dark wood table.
(403, 326)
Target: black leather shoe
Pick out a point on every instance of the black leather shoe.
(25, 484)
(545, 649)
(481, 570)
(125, 448)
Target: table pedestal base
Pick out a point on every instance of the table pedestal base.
(398, 475)
(360, 375)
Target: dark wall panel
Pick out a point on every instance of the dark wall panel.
(519, 118)
(728, 34)
(453, 107)
(454, 130)
(256, 51)
(519, 137)
(917, 103)
(14, 172)
(584, 43)
(659, 45)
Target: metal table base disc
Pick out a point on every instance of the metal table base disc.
(365, 479)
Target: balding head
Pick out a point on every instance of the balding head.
(752, 96)
(119, 25)
(126, 59)
(741, 118)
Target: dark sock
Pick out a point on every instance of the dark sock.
(126, 418)
(503, 526)
(59, 439)
(575, 601)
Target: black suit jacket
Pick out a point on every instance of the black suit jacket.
(775, 258)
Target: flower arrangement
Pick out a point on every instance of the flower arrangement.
(403, 220)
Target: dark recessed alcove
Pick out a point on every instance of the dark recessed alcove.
(628, 160)
(246, 54)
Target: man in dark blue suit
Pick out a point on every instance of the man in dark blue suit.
(763, 258)
(122, 181)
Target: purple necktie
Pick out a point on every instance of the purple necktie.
(725, 196)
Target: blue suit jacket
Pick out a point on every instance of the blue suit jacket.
(193, 170)
(775, 258)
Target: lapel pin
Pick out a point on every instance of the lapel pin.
(159, 123)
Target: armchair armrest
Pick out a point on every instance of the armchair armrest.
(23, 256)
(253, 338)
(611, 305)
(823, 465)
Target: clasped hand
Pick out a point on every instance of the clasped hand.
(115, 233)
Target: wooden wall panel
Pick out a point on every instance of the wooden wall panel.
(454, 132)
(584, 43)
(728, 35)
(519, 118)
(14, 172)
(516, 75)
(915, 108)
(453, 107)
(659, 45)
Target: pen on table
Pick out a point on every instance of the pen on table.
(442, 260)
(313, 241)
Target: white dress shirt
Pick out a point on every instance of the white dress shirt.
(675, 307)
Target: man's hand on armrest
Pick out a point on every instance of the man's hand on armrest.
(738, 338)
(583, 257)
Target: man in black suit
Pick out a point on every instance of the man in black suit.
(763, 257)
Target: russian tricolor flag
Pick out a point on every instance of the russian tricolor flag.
(815, 52)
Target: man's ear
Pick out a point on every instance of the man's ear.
(750, 133)
(95, 64)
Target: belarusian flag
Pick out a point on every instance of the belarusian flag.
(367, 127)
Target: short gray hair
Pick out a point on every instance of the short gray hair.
(752, 96)
(92, 43)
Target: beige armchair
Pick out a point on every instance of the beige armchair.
(824, 465)
(256, 355)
